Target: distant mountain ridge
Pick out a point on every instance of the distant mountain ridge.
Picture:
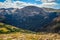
(52, 10)
(30, 17)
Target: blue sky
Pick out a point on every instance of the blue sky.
(2, 0)
(39, 2)
(32, 1)
(28, 1)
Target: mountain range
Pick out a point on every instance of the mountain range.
(31, 18)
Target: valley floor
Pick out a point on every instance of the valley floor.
(29, 36)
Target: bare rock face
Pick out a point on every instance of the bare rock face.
(54, 26)
(30, 17)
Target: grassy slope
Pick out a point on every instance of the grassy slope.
(25, 36)
(4, 29)
(20, 34)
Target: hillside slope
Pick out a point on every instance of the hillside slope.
(5, 29)
(54, 26)
(31, 17)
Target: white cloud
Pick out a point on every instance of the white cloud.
(16, 4)
(50, 4)
(48, 1)
(20, 4)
